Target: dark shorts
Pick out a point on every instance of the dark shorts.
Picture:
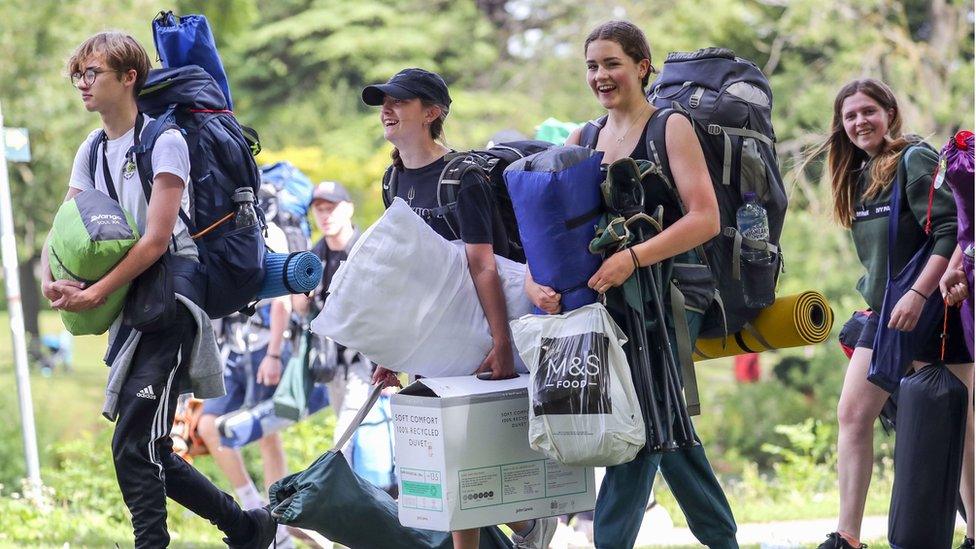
(236, 380)
(956, 350)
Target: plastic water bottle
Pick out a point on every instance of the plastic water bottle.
(246, 214)
(754, 225)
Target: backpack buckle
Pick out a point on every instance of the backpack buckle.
(695, 99)
(714, 129)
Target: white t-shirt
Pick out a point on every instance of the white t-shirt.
(169, 155)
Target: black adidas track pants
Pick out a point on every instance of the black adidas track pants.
(146, 468)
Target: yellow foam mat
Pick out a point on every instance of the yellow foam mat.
(791, 321)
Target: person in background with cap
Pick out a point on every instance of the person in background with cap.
(414, 105)
(332, 209)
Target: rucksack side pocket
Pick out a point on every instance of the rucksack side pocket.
(752, 170)
(234, 264)
(696, 284)
(759, 280)
(151, 303)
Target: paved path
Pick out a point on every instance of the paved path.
(658, 531)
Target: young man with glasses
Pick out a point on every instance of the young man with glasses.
(108, 70)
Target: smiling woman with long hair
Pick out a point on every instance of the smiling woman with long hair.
(618, 69)
(864, 150)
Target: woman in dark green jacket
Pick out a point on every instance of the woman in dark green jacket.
(864, 150)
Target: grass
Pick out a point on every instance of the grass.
(73, 441)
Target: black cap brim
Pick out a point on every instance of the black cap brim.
(373, 95)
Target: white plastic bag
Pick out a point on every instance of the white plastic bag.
(404, 298)
(583, 409)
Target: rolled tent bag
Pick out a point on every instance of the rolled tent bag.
(557, 202)
(583, 409)
(90, 235)
(187, 40)
(404, 299)
(331, 499)
(930, 432)
(791, 321)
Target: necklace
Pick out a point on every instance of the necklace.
(620, 138)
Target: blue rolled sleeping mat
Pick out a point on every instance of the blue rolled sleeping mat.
(294, 273)
(557, 202)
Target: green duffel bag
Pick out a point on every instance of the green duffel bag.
(296, 384)
(90, 235)
(330, 498)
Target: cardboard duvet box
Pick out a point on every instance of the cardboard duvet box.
(462, 451)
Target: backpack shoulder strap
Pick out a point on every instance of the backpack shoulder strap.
(389, 186)
(657, 151)
(143, 155)
(93, 158)
(459, 164)
(590, 132)
(657, 147)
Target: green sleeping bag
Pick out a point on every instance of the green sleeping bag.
(90, 235)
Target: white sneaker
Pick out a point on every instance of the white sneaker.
(539, 536)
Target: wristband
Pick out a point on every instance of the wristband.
(925, 297)
(633, 255)
(276, 357)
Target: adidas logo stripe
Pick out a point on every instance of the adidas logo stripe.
(147, 392)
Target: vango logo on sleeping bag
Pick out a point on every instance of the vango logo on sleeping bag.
(572, 375)
(106, 219)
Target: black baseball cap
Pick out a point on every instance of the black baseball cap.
(409, 84)
(331, 191)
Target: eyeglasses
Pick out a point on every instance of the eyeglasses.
(88, 76)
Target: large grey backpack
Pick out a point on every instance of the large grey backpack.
(730, 102)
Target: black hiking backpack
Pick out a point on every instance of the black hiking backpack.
(488, 164)
(221, 160)
(730, 102)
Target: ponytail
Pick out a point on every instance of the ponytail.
(397, 162)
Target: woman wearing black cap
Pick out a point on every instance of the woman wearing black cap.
(415, 104)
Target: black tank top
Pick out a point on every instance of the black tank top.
(656, 191)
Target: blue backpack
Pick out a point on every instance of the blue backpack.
(188, 99)
(293, 194)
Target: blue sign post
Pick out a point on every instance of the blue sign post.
(17, 144)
